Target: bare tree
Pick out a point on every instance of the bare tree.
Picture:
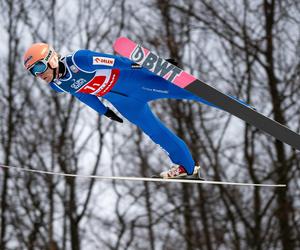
(12, 14)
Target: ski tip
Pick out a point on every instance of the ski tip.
(124, 46)
(119, 41)
(121, 38)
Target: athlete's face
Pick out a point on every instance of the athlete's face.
(47, 75)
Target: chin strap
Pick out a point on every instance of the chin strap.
(54, 75)
(59, 72)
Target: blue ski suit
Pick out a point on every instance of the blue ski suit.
(91, 75)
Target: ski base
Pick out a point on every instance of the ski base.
(148, 179)
(190, 178)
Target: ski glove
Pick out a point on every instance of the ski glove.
(112, 115)
(169, 60)
(172, 61)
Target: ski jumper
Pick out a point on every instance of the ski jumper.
(91, 75)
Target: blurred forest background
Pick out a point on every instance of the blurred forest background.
(249, 49)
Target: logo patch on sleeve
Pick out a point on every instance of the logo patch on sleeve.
(99, 60)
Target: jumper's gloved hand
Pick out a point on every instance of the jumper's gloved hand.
(169, 60)
(136, 66)
(112, 115)
(172, 61)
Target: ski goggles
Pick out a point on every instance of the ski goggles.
(39, 67)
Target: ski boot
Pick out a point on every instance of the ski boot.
(178, 171)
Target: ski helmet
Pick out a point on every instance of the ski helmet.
(39, 57)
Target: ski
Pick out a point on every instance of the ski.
(159, 66)
(144, 179)
(191, 178)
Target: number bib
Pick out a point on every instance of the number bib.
(101, 83)
(98, 82)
